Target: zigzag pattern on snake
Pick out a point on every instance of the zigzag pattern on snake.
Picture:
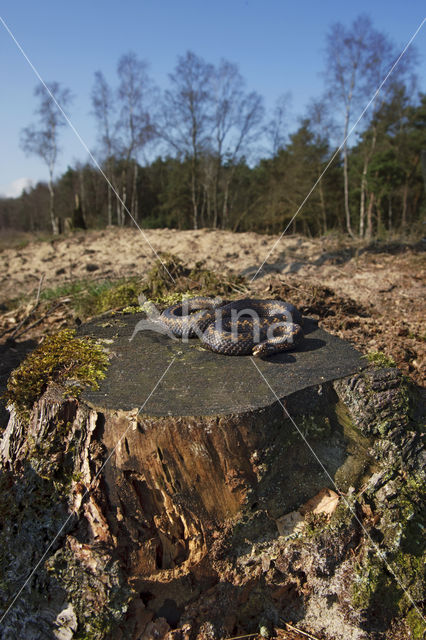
(242, 327)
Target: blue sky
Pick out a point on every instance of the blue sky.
(278, 45)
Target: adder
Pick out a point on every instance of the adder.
(242, 327)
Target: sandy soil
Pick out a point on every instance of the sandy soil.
(372, 296)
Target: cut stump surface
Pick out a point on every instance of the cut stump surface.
(202, 383)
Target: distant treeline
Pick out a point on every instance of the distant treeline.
(212, 171)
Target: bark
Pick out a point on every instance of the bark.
(346, 178)
(109, 205)
(379, 215)
(216, 192)
(208, 207)
(134, 203)
(362, 198)
(348, 101)
(323, 208)
(363, 194)
(225, 205)
(369, 230)
(110, 192)
(404, 207)
(83, 195)
(53, 219)
(194, 192)
(121, 204)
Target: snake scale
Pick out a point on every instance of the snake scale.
(242, 327)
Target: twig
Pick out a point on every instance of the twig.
(297, 287)
(304, 633)
(5, 331)
(39, 287)
(29, 314)
(250, 635)
(34, 324)
(238, 288)
(344, 273)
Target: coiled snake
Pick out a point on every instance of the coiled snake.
(241, 327)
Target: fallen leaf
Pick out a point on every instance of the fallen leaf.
(325, 501)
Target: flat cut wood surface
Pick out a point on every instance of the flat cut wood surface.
(200, 382)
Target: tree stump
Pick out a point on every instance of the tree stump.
(212, 437)
(180, 471)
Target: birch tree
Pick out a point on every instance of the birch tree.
(185, 118)
(124, 120)
(349, 65)
(358, 60)
(135, 127)
(276, 129)
(320, 123)
(384, 54)
(42, 139)
(104, 110)
(237, 117)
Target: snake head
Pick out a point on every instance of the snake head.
(289, 336)
(262, 349)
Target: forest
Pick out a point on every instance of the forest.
(206, 153)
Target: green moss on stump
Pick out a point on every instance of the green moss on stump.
(59, 358)
(416, 625)
(380, 359)
(120, 295)
(391, 588)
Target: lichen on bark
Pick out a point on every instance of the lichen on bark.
(388, 577)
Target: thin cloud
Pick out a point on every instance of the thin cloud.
(14, 189)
